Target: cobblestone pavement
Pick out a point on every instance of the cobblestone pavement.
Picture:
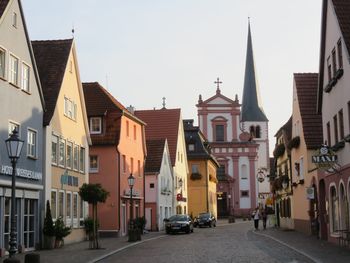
(226, 243)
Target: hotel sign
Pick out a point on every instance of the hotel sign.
(5, 169)
(326, 159)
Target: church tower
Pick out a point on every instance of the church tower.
(254, 120)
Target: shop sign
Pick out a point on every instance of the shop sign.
(5, 169)
(310, 193)
(326, 159)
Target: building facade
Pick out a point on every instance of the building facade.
(22, 108)
(66, 133)
(118, 150)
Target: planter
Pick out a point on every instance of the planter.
(134, 235)
(339, 73)
(279, 150)
(294, 143)
(49, 242)
(196, 176)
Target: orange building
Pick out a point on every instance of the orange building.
(118, 150)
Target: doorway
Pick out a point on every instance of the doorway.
(222, 204)
(323, 216)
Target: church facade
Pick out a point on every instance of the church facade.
(238, 134)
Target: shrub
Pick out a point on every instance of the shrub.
(61, 231)
(48, 229)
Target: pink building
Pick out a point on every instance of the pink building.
(118, 150)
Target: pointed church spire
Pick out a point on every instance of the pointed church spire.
(251, 107)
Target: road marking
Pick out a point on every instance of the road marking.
(123, 248)
(289, 246)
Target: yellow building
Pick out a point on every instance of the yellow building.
(66, 133)
(202, 172)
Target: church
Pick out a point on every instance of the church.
(238, 134)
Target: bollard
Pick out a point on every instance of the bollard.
(32, 258)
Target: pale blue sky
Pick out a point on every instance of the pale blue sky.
(149, 49)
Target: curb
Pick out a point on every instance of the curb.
(289, 246)
(123, 248)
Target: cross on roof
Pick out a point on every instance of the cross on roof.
(218, 82)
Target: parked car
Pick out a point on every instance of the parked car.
(205, 219)
(178, 223)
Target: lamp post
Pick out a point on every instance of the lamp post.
(131, 181)
(14, 148)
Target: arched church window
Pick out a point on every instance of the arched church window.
(257, 132)
(244, 172)
(252, 131)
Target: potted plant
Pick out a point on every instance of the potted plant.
(48, 230)
(61, 231)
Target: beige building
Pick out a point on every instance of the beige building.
(66, 132)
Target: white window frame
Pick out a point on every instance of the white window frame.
(81, 212)
(69, 162)
(94, 169)
(53, 136)
(12, 125)
(92, 126)
(61, 140)
(76, 150)
(301, 168)
(69, 209)
(14, 19)
(54, 216)
(32, 143)
(82, 159)
(70, 108)
(63, 204)
(75, 201)
(13, 71)
(2, 62)
(25, 77)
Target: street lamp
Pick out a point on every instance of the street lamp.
(14, 148)
(285, 183)
(131, 181)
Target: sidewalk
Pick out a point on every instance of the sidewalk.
(315, 249)
(80, 252)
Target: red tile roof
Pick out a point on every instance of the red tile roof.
(155, 149)
(342, 10)
(99, 102)
(306, 87)
(51, 59)
(163, 123)
(3, 5)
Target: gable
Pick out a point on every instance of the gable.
(219, 99)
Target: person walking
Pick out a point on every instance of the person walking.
(264, 217)
(256, 218)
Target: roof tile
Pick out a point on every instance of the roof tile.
(154, 158)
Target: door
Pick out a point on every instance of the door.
(323, 216)
(222, 204)
(29, 223)
(148, 218)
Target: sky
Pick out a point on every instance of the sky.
(144, 50)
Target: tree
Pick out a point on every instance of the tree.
(48, 230)
(93, 194)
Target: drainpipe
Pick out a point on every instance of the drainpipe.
(118, 191)
(207, 184)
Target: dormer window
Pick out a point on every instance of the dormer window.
(96, 125)
(14, 19)
(191, 147)
(70, 109)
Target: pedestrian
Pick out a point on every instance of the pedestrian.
(256, 217)
(264, 217)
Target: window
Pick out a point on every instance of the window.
(191, 147)
(329, 69)
(93, 163)
(60, 204)
(340, 54)
(54, 149)
(82, 160)
(252, 131)
(14, 19)
(69, 162)
(151, 185)
(334, 210)
(341, 124)
(76, 157)
(195, 168)
(31, 143)
(127, 128)
(135, 132)
(139, 167)
(13, 70)
(62, 152)
(81, 213)
(221, 172)
(244, 172)
(219, 133)
(95, 125)
(25, 77)
(2, 63)
(54, 204)
(124, 164)
(334, 62)
(257, 132)
(335, 120)
(301, 168)
(244, 193)
(69, 209)
(70, 109)
(13, 126)
(132, 165)
(329, 134)
(75, 210)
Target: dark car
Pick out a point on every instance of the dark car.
(205, 219)
(178, 223)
